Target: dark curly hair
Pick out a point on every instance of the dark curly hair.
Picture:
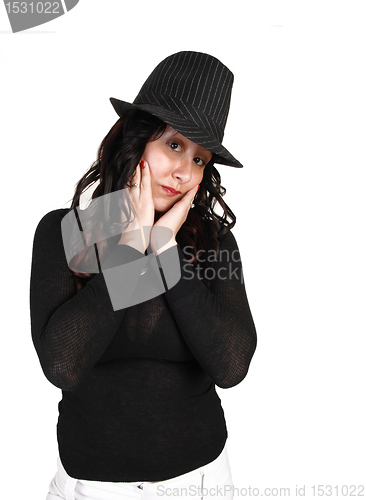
(118, 156)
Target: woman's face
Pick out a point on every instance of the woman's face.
(176, 166)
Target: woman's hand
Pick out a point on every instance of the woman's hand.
(137, 234)
(173, 219)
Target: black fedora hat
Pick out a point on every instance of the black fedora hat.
(191, 92)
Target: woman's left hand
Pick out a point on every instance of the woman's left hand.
(173, 220)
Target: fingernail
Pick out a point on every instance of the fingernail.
(143, 164)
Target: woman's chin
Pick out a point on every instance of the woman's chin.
(162, 206)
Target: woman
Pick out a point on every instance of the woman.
(148, 311)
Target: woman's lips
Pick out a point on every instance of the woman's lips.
(170, 191)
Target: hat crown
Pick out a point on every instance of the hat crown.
(195, 85)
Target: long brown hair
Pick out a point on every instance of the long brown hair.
(118, 156)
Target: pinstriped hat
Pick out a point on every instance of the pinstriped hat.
(191, 92)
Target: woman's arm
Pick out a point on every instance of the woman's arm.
(216, 322)
(70, 330)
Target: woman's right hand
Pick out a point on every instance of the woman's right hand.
(137, 234)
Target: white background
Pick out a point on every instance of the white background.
(297, 123)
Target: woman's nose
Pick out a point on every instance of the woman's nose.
(183, 171)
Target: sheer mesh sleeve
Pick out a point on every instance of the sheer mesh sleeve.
(216, 321)
(70, 330)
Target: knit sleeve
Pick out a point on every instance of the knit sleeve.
(70, 330)
(215, 320)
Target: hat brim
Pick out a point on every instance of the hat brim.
(184, 127)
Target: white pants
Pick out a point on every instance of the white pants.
(211, 481)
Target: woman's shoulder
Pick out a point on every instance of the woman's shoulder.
(47, 240)
(51, 221)
(225, 238)
(54, 215)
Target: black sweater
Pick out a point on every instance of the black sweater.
(138, 384)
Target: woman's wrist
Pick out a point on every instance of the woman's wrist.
(169, 244)
(133, 239)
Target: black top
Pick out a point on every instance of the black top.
(138, 384)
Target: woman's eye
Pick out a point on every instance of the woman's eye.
(175, 146)
(199, 161)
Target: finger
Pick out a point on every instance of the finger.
(189, 196)
(145, 176)
(194, 191)
(135, 179)
(137, 176)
